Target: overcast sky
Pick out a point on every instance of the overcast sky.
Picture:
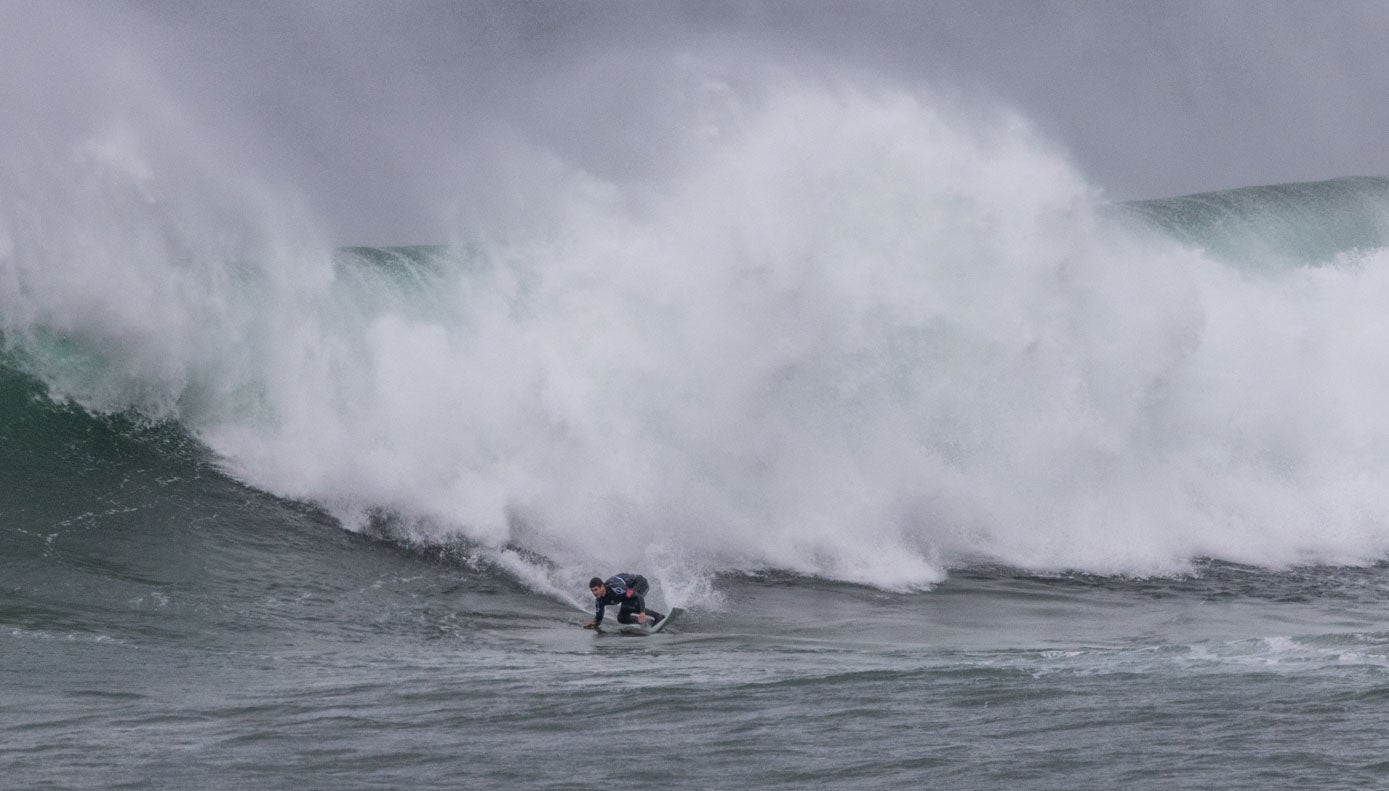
(377, 111)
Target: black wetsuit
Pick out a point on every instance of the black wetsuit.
(628, 590)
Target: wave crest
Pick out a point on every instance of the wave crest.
(857, 334)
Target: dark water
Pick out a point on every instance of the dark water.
(164, 627)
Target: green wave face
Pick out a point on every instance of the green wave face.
(1281, 225)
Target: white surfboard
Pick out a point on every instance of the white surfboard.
(633, 630)
(674, 613)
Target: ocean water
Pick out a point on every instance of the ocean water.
(966, 476)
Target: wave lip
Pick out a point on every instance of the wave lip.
(1283, 224)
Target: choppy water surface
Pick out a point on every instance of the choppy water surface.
(261, 646)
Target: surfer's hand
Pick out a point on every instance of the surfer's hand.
(588, 625)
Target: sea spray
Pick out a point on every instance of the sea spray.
(860, 334)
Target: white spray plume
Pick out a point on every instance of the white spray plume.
(858, 333)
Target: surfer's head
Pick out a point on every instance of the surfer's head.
(596, 585)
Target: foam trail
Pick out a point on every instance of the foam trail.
(862, 334)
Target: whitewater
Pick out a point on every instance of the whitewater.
(855, 338)
(966, 474)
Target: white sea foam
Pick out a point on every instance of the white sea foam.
(862, 334)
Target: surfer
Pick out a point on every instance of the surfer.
(628, 590)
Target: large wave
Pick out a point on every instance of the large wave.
(862, 334)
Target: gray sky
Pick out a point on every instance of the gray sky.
(379, 113)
